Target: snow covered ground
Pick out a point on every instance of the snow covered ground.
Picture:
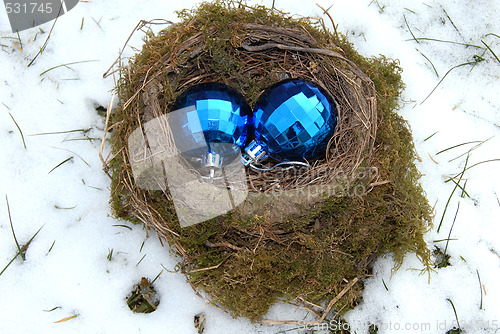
(67, 272)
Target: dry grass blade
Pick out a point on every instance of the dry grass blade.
(452, 23)
(106, 129)
(491, 34)
(288, 322)
(433, 67)
(411, 32)
(48, 36)
(18, 128)
(481, 290)
(59, 132)
(458, 145)
(204, 269)
(8, 264)
(471, 149)
(326, 11)
(320, 319)
(60, 164)
(138, 27)
(456, 316)
(66, 319)
(12, 228)
(67, 64)
(451, 69)
(23, 250)
(483, 162)
(464, 192)
(444, 259)
(493, 53)
(64, 149)
(448, 42)
(426, 139)
(453, 191)
(338, 297)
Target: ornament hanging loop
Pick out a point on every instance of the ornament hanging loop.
(281, 166)
(254, 153)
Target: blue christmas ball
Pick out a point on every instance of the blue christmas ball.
(294, 120)
(217, 124)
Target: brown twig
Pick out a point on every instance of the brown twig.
(337, 298)
(103, 141)
(139, 26)
(331, 20)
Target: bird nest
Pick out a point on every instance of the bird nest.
(314, 244)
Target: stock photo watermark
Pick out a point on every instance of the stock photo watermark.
(26, 14)
(161, 159)
(408, 327)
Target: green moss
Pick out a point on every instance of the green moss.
(255, 262)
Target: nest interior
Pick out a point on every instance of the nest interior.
(299, 249)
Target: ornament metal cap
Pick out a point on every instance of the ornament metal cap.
(254, 152)
(212, 161)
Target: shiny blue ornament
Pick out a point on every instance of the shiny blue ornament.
(216, 127)
(294, 120)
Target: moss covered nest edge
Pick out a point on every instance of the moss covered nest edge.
(244, 263)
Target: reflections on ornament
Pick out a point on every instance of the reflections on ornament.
(220, 116)
(294, 121)
(158, 164)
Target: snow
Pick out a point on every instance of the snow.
(71, 202)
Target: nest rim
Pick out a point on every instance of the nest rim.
(149, 98)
